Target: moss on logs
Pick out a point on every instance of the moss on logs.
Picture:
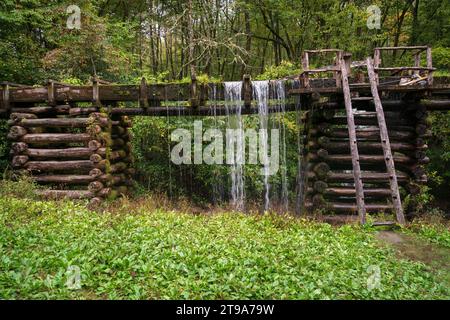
(19, 161)
(320, 186)
(16, 117)
(321, 169)
(95, 173)
(96, 158)
(95, 186)
(19, 148)
(94, 145)
(17, 132)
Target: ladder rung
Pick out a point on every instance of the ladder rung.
(362, 99)
(384, 223)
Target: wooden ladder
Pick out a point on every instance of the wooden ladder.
(360, 203)
(385, 143)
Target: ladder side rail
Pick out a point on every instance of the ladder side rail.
(353, 144)
(386, 145)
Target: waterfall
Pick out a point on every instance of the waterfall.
(301, 166)
(169, 162)
(261, 95)
(279, 94)
(218, 190)
(233, 111)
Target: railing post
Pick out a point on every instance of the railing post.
(5, 97)
(194, 101)
(430, 66)
(95, 92)
(305, 64)
(376, 64)
(247, 91)
(51, 93)
(143, 94)
(417, 62)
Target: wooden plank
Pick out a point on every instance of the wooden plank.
(57, 122)
(430, 66)
(305, 65)
(353, 143)
(403, 48)
(386, 145)
(56, 137)
(64, 179)
(404, 68)
(70, 194)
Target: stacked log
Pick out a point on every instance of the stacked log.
(330, 185)
(82, 156)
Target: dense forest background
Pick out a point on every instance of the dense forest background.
(122, 41)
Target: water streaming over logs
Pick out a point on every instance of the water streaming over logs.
(233, 99)
(261, 95)
(218, 187)
(301, 166)
(279, 94)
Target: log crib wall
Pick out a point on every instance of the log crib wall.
(83, 156)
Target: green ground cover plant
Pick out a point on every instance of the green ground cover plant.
(138, 252)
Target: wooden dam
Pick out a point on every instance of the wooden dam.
(365, 130)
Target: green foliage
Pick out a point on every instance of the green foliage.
(441, 60)
(4, 145)
(285, 69)
(439, 153)
(433, 228)
(22, 186)
(170, 255)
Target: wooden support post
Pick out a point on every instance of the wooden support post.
(353, 144)
(143, 94)
(417, 62)
(386, 144)
(51, 93)
(5, 97)
(305, 64)
(336, 74)
(95, 92)
(430, 66)
(377, 63)
(247, 91)
(194, 96)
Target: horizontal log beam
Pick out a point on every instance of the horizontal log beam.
(64, 179)
(61, 122)
(350, 192)
(339, 158)
(348, 207)
(367, 133)
(59, 165)
(68, 194)
(51, 138)
(84, 153)
(333, 176)
(344, 147)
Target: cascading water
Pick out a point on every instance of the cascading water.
(279, 94)
(233, 99)
(218, 190)
(261, 95)
(301, 166)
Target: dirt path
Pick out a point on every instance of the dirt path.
(436, 257)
